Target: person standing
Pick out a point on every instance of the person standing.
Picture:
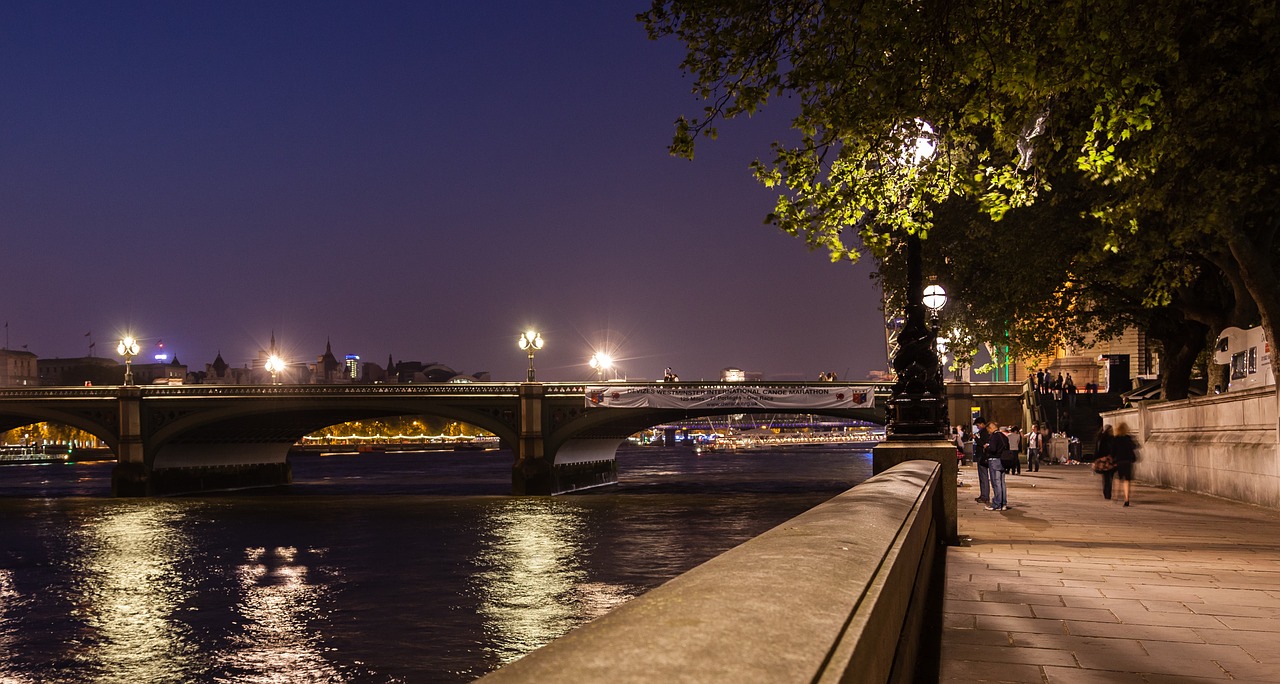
(1124, 451)
(980, 457)
(1101, 448)
(1033, 449)
(1014, 435)
(997, 449)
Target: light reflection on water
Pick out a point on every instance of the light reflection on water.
(276, 642)
(10, 601)
(368, 569)
(532, 584)
(130, 588)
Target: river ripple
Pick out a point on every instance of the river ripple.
(370, 568)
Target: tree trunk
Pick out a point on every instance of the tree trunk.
(1182, 345)
(1258, 272)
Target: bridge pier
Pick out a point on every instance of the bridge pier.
(533, 471)
(130, 477)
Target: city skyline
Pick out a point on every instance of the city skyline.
(407, 181)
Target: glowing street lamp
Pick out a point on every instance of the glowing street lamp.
(128, 348)
(601, 362)
(917, 404)
(935, 298)
(530, 341)
(274, 365)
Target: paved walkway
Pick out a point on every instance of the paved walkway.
(1069, 587)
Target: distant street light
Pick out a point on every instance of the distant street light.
(601, 362)
(274, 365)
(128, 348)
(530, 341)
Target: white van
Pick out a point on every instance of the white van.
(1248, 354)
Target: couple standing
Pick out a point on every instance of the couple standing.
(995, 458)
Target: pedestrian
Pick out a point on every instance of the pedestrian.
(997, 449)
(980, 457)
(1033, 448)
(1103, 461)
(1014, 435)
(1124, 451)
(1069, 386)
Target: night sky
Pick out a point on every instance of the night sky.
(417, 179)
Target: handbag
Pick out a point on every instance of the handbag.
(1103, 464)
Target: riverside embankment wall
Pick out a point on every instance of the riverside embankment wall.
(1226, 445)
(848, 591)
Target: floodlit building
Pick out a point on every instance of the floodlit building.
(18, 368)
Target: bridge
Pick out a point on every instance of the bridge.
(191, 438)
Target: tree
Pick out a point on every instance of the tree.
(1152, 134)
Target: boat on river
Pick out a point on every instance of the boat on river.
(30, 454)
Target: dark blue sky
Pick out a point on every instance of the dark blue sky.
(419, 179)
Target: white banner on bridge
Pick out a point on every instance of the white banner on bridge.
(731, 396)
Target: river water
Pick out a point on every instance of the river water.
(369, 568)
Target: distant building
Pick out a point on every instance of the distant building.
(417, 372)
(738, 375)
(77, 372)
(172, 373)
(327, 370)
(18, 368)
(352, 362)
(221, 373)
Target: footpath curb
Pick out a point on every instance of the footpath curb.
(1066, 587)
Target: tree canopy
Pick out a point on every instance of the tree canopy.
(1131, 148)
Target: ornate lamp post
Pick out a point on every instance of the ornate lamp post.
(274, 365)
(917, 406)
(601, 362)
(531, 342)
(128, 348)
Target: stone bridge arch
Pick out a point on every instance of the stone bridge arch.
(579, 443)
(94, 410)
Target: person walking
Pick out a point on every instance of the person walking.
(1124, 451)
(980, 457)
(997, 449)
(1101, 450)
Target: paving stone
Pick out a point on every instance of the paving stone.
(975, 672)
(1119, 648)
(1124, 631)
(1019, 624)
(1075, 675)
(1248, 669)
(1064, 613)
(1179, 649)
(989, 608)
(971, 638)
(1146, 617)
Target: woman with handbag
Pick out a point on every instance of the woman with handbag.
(1103, 461)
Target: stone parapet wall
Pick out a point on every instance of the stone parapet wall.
(1224, 445)
(849, 591)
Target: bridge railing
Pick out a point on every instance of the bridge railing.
(487, 389)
